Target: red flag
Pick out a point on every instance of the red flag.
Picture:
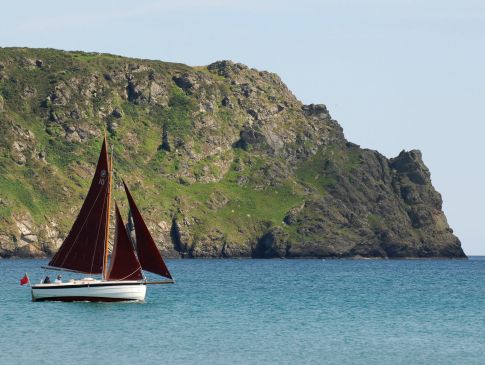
(24, 280)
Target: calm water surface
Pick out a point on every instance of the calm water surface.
(260, 312)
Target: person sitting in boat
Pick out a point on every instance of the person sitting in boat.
(58, 279)
(47, 280)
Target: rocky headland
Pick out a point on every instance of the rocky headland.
(223, 160)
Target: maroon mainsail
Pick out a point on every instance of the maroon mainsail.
(148, 254)
(83, 250)
(123, 264)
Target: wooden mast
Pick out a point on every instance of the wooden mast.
(106, 244)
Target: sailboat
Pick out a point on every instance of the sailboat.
(85, 250)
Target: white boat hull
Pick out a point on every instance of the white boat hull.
(92, 291)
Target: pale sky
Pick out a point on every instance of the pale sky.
(397, 74)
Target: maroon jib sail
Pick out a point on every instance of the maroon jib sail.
(148, 254)
(123, 265)
(84, 247)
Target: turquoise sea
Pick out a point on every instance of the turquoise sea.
(260, 312)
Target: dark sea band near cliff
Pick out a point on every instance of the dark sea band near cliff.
(224, 162)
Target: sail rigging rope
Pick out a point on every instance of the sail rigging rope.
(127, 276)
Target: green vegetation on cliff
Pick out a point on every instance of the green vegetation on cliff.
(223, 160)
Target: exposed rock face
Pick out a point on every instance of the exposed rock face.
(377, 208)
(23, 241)
(224, 162)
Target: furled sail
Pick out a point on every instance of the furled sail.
(83, 249)
(148, 254)
(123, 265)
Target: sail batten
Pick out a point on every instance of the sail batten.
(83, 249)
(147, 251)
(124, 264)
